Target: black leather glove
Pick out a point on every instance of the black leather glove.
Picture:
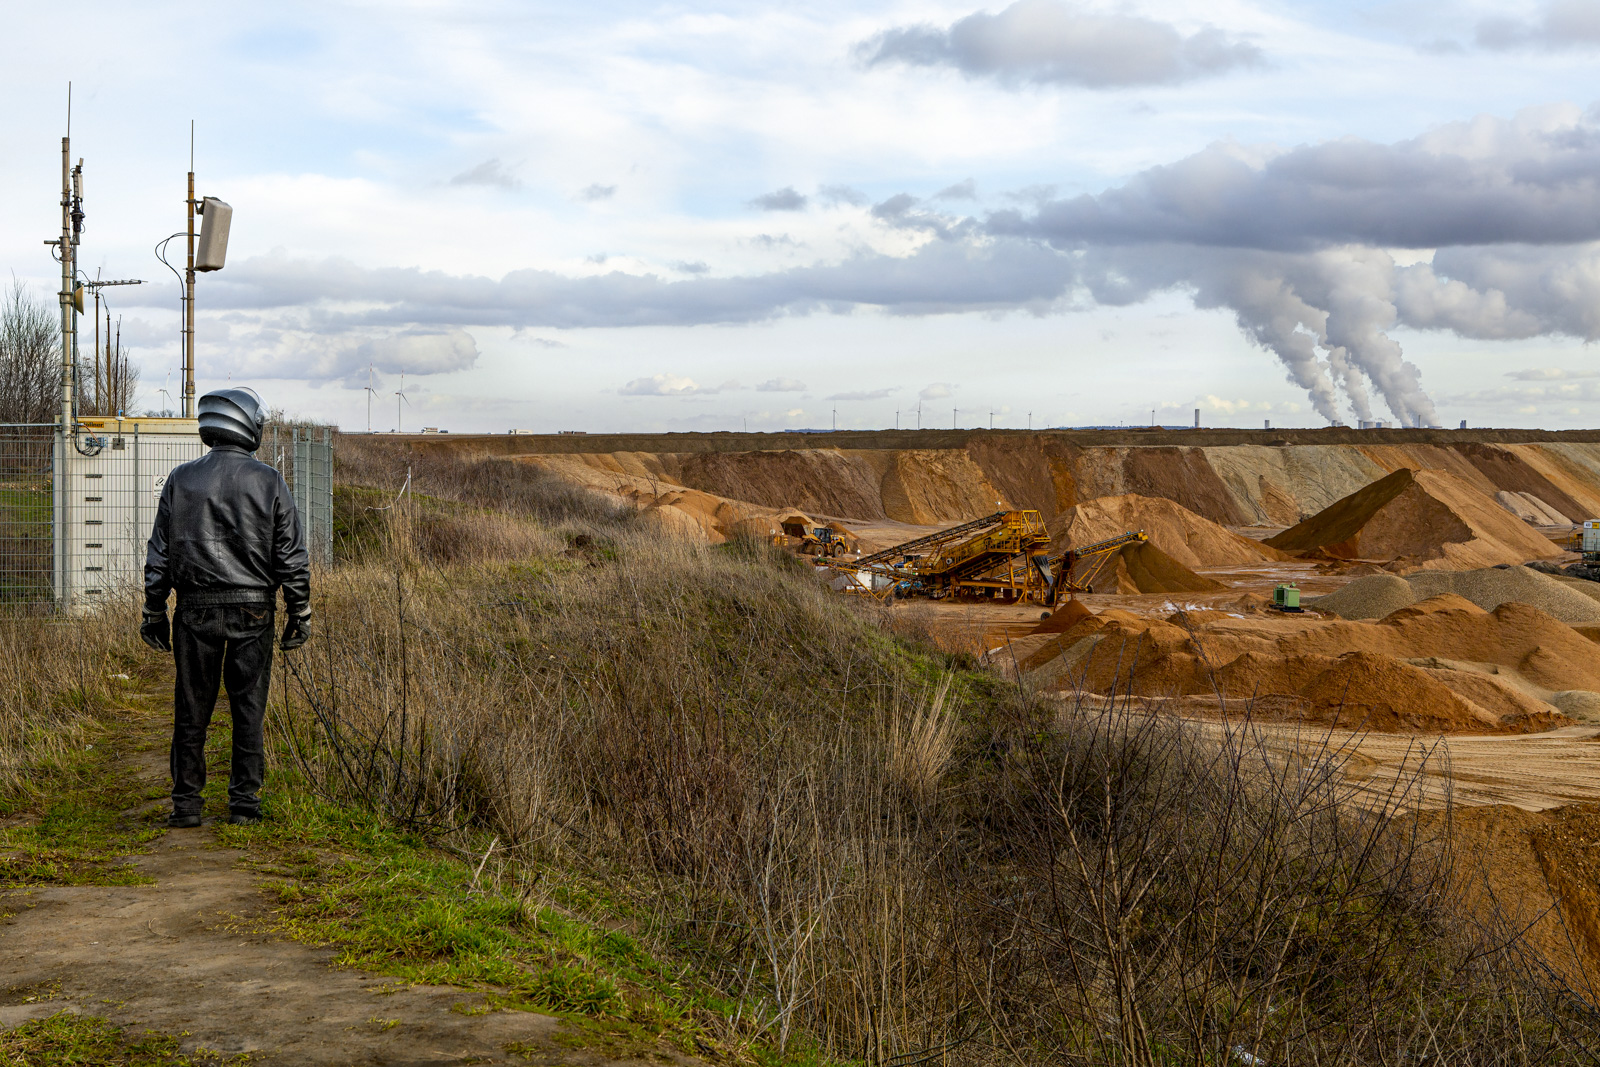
(295, 631)
(156, 631)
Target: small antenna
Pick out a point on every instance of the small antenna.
(69, 109)
(191, 144)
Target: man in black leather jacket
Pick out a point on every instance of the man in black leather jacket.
(226, 539)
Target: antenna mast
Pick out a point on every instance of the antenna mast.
(66, 248)
(188, 294)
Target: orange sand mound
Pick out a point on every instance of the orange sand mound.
(1144, 568)
(1178, 532)
(1418, 519)
(1442, 665)
(1064, 618)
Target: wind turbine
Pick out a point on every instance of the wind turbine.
(371, 392)
(400, 394)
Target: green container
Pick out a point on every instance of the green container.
(1286, 596)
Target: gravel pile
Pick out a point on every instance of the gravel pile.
(1377, 595)
(1371, 597)
(1492, 587)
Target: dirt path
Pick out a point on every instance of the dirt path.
(168, 956)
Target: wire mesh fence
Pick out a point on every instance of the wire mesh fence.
(311, 478)
(75, 513)
(27, 474)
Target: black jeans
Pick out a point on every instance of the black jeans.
(230, 644)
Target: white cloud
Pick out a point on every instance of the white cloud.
(1047, 41)
(661, 385)
(673, 385)
(785, 199)
(1241, 406)
(781, 385)
(419, 351)
(1559, 25)
(490, 172)
(1550, 374)
(936, 391)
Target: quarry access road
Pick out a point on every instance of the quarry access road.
(1533, 772)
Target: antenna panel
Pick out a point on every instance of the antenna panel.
(215, 218)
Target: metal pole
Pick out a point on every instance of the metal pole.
(188, 297)
(59, 469)
(96, 401)
(137, 493)
(66, 285)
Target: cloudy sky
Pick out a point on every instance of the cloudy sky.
(636, 216)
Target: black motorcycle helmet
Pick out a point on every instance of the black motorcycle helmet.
(232, 417)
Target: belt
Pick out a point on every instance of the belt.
(206, 598)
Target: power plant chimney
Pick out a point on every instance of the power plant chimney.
(1197, 418)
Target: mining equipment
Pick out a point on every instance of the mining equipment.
(1004, 556)
(1589, 540)
(821, 541)
(1286, 598)
(810, 538)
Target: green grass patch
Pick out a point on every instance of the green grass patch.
(393, 905)
(87, 1041)
(73, 828)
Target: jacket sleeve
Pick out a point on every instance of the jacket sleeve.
(291, 563)
(157, 578)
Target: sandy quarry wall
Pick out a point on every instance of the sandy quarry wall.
(1256, 482)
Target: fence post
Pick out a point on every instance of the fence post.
(138, 500)
(325, 495)
(58, 509)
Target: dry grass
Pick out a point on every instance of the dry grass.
(54, 674)
(888, 856)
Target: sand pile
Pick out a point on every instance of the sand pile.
(1442, 665)
(1065, 616)
(1530, 509)
(1417, 519)
(1370, 597)
(1179, 533)
(1495, 586)
(1514, 636)
(1144, 568)
(1378, 595)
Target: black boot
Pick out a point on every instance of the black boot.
(244, 818)
(183, 822)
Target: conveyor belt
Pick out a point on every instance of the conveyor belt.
(931, 539)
